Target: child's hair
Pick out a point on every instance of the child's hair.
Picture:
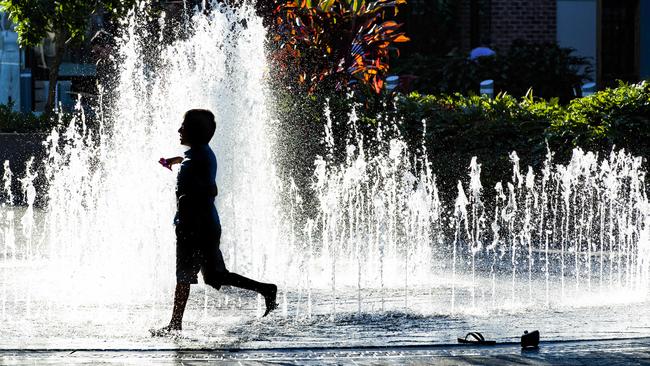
(199, 126)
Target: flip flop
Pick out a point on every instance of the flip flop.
(477, 339)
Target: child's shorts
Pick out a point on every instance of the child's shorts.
(198, 250)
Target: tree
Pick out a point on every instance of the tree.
(67, 20)
(337, 40)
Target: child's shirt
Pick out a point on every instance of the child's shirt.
(196, 188)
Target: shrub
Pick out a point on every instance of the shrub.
(459, 127)
(611, 118)
(336, 41)
(11, 121)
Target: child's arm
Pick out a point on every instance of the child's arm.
(168, 163)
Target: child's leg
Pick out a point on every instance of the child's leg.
(216, 275)
(236, 280)
(181, 295)
(268, 290)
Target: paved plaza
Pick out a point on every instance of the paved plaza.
(584, 352)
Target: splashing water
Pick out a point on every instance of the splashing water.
(107, 232)
(381, 238)
(575, 229)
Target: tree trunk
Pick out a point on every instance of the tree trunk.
(59, 49)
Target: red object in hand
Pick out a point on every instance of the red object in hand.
(165, 163)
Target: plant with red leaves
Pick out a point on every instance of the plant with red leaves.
(336, 40)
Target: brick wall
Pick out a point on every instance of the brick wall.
(530, 20)
(499, 22)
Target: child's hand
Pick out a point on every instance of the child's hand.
(168, 163)
(165, 163)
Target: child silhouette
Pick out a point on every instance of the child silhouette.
(198, 229)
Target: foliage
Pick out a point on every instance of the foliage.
(66, 20)
(336, 40)
(551, 71)
(459, 127)
(11, 121)
(613, 117)
(34, 19)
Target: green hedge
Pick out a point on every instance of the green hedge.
(617, 117)
(11, 121)
(460, 127)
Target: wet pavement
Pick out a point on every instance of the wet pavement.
(380, 328)
(585, 352)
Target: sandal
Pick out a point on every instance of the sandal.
(477, 339)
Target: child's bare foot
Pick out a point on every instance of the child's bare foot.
(269, 299)
(168, 331)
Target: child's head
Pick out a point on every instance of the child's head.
(198, 127)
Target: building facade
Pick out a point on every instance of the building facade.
(613, 34)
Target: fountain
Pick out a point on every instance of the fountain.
(382, 247)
